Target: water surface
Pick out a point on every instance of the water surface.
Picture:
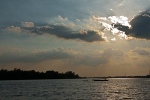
(73, 89)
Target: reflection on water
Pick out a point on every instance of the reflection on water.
(72, 89)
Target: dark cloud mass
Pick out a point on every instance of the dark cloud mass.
(34, 57)
(140, 26)
(68, 33)
(54, 54)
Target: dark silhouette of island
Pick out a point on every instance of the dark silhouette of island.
(18, 74)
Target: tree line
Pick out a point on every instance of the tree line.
(18, 74)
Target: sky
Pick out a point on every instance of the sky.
(88, 37)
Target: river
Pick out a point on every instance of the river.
(76, 89)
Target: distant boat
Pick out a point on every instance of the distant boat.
(103, 79)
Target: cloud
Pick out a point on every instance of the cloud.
(90, 60)
(120, 20)
(72, 57)
(62, 29)
(77, 20)
(110, 52)
(103, 57)
(35, 55)
(13, 29)
(141, 51)
(110, 25)
(113, 39)
(13, 55)
(60, 18)
(140, 26)
(27, 24)
(140, 56)
(67, 33)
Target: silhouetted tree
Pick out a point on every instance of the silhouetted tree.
(18, 74)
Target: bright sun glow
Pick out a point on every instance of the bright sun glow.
(108, 24)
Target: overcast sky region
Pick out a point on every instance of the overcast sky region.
(88, 37)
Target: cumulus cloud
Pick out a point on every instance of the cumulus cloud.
(90, 60)
(110, 23)
(141, 51)
(35, 56)
(67, 33)
(140, 26)
(77, 20)
(16, 29)
(61, 18)
(109, 52)
(102, 57)
(120, 20)
(113, 39)
(140, 56)
(65, 29)
(27, 24)
(13, 29)
(91, 57)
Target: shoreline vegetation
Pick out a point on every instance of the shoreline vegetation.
(18, 74)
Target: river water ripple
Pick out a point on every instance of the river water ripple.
(76, 89)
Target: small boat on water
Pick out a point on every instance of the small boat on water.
(103, 79)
